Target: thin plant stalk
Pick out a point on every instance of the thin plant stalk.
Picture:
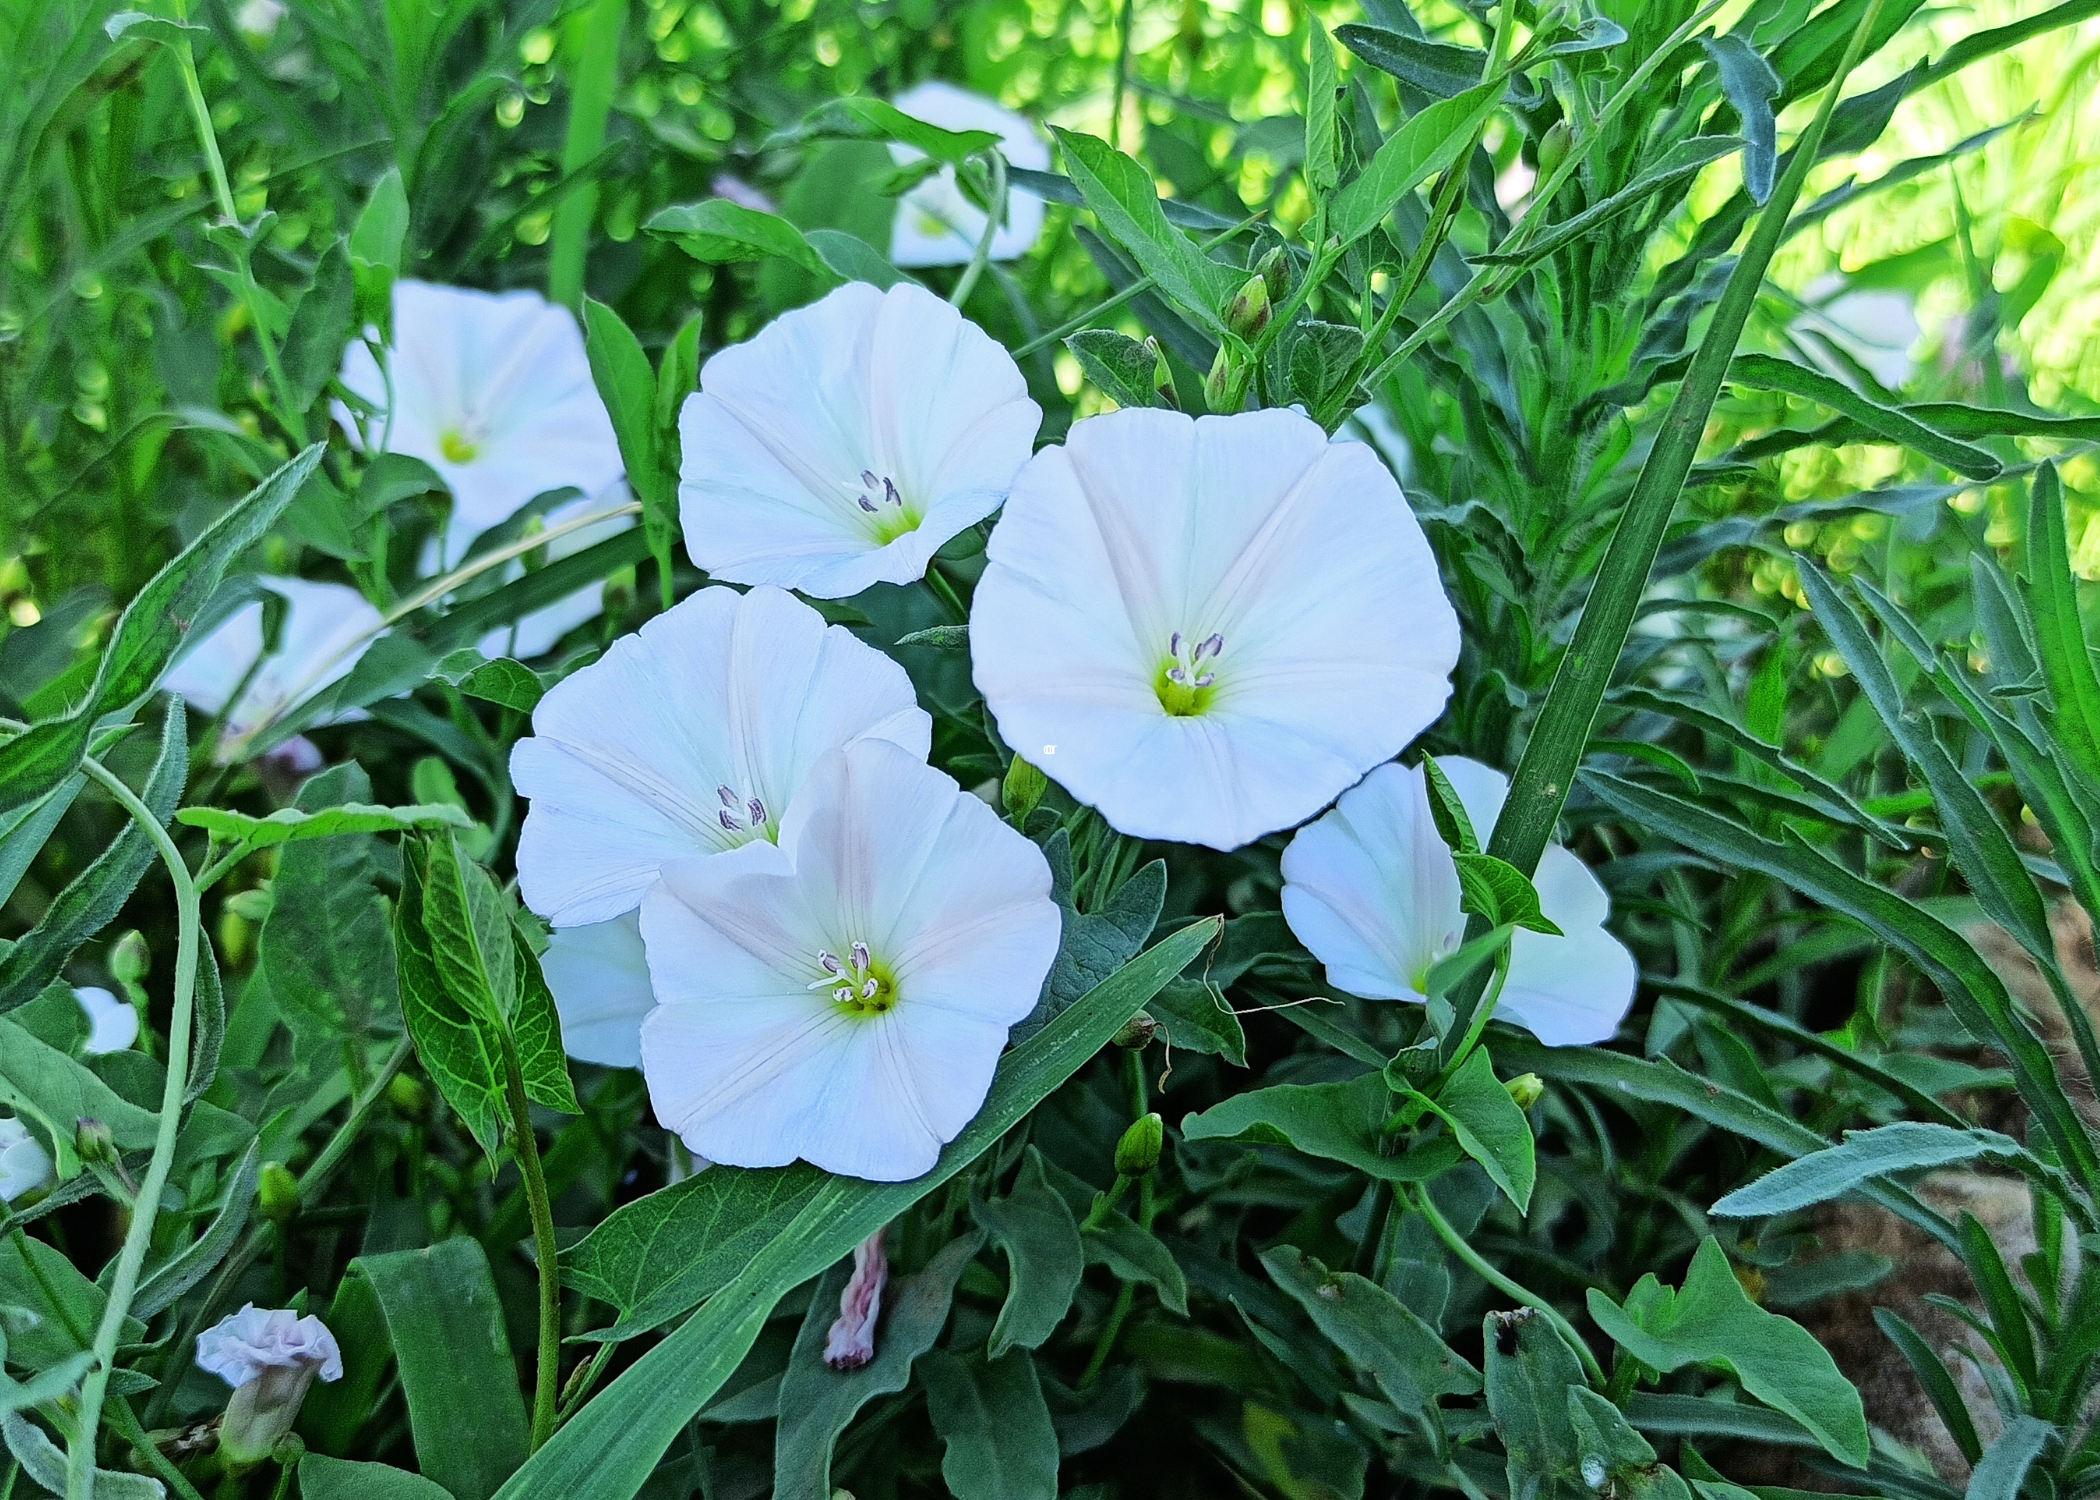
(995, 214)
(546, 1392)
(1456, 1242)
(80, 1450)
(596, 38)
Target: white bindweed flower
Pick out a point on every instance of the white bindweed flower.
(843, 997)
(689, 737)
(936, 225)
(113, 1024)
(1878, 327)
(1372, 890)
(327, 626)
(849, 440)
(269, 1357)
(599, 975)
(493, 391)
(25, 1165)
(1206, 628)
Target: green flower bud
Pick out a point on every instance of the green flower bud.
(1225, 388)
(1022, 790)
(277, 1195)
(1526, 1089)
(1248, 313)
(1162, 375)
(1138, 1152)
(409, 1094)
(1553, 148)
(95, 1142)
(1137, 1032)
(1275, 272)
(130, 960)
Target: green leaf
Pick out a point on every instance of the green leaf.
(68, 1306)
(45, 1462)
(852, 258)
(1500, 892)
(1133, 1253)
(1530, 1371)
(2059, 636)
(1751, 86)
(94, 897)
(1681, 161)
(1036, 1231)
(1607, 1444)
(1712, 1321)
(324, 946)
(1094, 944)
(23, 832)
(377, 246)
(1342, 1122)
(1436, 68)
(997, 1441)
(186, 1267)
(718, 232)
(445, 1321)
(1765, 372)
(1123, 197)
(1196, 1019)
(627, 386)
(608, 1450)
(1429, 143)
(939, 638)
(290, 824)
(1380, 1335)
(1488, 1124)
(322, 324)
(56, 1092)
(1906, 1146)
(503, 681)
(458, 1049)
(861, 118)
(471, 939)
(536, 1033)
(145, 638)
(1120, 367)
(2003, 1468)
(325, 1478)
(1317, 361)
(817, 1403)
(138, 23)
(1936, 1380)
(1448, 810)
(1321, 139)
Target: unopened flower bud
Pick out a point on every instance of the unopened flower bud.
(1136, 1032)
(851, 1342)
(409, 1094)
(1225, 388)
(130, 960)
(1248, 313)
(1138, 1152)
(1163, 375)
(1023, 790)
(277, 1194)
(289, 1450)
(1526, 1089)
(1275, 272)
(95, 1142)
(1553, 148)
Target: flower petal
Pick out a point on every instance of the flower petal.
(935, 224)
(628, 757)
(600, 978)
(1572, 990)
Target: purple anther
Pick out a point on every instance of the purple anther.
(1212, 646)
(757, 809)
(729, 823)
(860, 956)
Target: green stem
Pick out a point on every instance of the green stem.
(1494, 1278)
(1115, 108)
(547, 1385)
(995, 213)
(80, 1450)
(595, 38)
(1148, 1208)
(126, 1423)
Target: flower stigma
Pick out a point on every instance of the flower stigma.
(457, 447)
(1187, 678)
(877, 496)
(860, 984)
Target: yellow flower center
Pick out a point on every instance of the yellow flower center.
(1186, 680)
(456, 448)
(860, 984)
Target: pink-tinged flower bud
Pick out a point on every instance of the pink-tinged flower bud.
(851, 1342)
(1248, 312)
(269, 1357)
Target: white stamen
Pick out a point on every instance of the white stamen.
(867, 991)
(728, 797)
(1177, 675)
(729, 823)
(860, 956)
(843, 994)
(828, 961)
(1174, 644)
(1206, 679)
(867, 505)
(1212, 646)
(758, 812)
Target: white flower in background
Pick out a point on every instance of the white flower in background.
(843, 997)
(25, 1165)
(1206, 628)
(113, 1024)
(326, 628)
(599, 975)
(1877, 327)
(269, 1357)
(936, 225)
(849, 440)
(537, 633)
(258, 19)
(1372, 890)
(494, 392)
(689, 737)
